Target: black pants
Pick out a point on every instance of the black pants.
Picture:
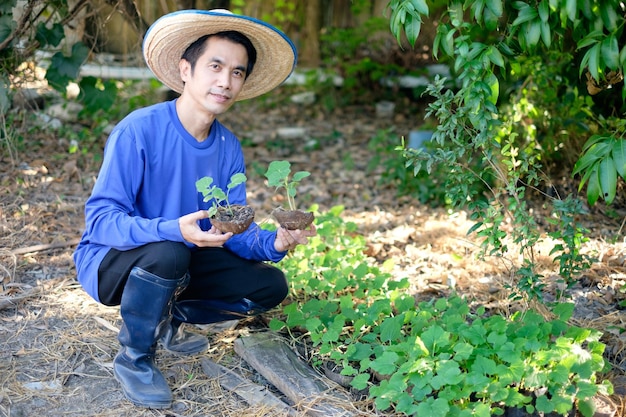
(215, 274)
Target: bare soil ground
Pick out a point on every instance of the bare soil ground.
(57, 345)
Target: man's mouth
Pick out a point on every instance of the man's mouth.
(222, 98)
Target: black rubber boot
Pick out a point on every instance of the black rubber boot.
(214, 311)
(173, 338)
(145, 300)
(176, 340)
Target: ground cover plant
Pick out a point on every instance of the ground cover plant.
(442, 357)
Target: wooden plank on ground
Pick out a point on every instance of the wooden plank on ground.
(309, 391)
(252, 393)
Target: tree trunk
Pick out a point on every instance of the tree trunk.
(310, 40)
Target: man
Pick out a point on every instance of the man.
(148, 245)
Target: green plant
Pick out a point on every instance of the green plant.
(41, 28)
(278, 175)
(211, 192)
(573, 235)
(488, 44)
(444, 357)
(603, 160)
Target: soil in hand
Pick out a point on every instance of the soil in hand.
(235, 219)
(293, 219)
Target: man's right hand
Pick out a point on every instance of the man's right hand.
(192, 233)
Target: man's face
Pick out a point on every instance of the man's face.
(218, 76)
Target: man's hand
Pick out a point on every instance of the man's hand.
(289, 239)
(192, 233)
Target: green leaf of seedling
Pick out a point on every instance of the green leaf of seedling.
(277, 172)
(203, 184)
(219, 195)
(236, 180)
(298, 176)
(507, 352)
(291, 190)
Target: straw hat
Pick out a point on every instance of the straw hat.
(171, 35)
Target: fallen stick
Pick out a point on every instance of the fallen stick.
(252, 393)
(48, 246)
(6, 302)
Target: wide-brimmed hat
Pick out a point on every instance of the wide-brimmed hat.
(171, 35)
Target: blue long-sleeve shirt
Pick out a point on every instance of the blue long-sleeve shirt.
(147, 181)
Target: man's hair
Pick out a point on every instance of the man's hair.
(196, 49)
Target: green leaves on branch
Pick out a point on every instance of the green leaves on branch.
(604, 158)
(64, 69)
(406, 16)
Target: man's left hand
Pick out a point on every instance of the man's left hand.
(289, 239)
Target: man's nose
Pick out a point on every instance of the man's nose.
(224, 79)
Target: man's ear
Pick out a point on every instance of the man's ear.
(185, 70)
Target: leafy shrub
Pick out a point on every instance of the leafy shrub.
(514, 138)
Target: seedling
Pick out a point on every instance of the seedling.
(277, 176)
(211, 191)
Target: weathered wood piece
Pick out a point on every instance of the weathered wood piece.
(252, 393)
(309, 391)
